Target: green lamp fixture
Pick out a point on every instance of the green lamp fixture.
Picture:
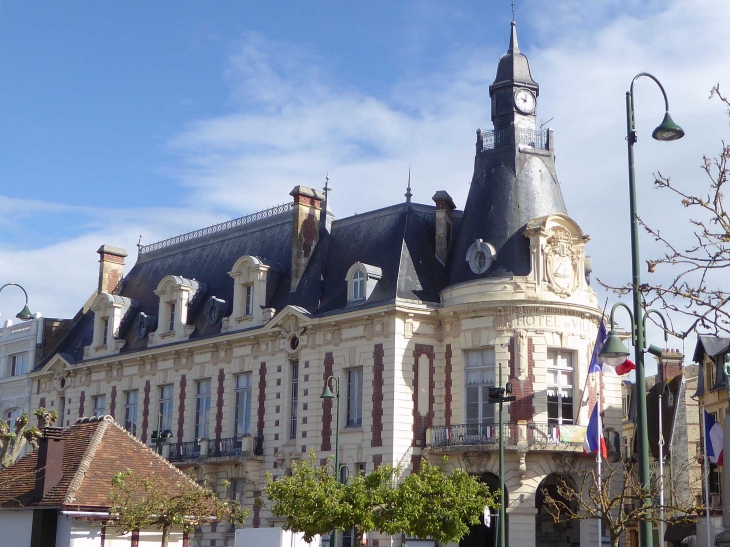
(614, 352)
(668, 130)
(327, 393)
(25, 314)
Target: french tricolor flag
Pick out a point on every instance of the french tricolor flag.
(713, 439)
(594, 436)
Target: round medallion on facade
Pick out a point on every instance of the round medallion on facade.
(480, 256)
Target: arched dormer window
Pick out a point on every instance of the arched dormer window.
(250, 275)
(112, 314)
(361, 281)
(179, 296)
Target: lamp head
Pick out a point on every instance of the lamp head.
(327, 393)
(25, 314)
(668, 130)
(614, 352)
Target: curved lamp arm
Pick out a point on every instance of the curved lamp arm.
(646, 74)
(631, 317)
(24, 314)
(664, 323)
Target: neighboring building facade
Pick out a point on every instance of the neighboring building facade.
(22, 345)
(226, 336)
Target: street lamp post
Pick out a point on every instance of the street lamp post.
(328, 394)
(24, 314)
(496, 396)
(666, 131)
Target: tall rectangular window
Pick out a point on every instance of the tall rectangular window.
(17, 364)
(105, 333)
(294, 401)
(130, 411)
(242, 421)
(172, 316)
(560, 386)
(479, 378)
(202, 409)
(166, 393)
(99, 405)
(354, 397)
(248, 310)
(61, 410)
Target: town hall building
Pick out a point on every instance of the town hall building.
(216, 345)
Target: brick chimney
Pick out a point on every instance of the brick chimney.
(49, 469)
(670, 364)
(305, 229)
(444, 221)
(111, 269)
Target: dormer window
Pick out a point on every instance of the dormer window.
(249, 300)
(361, 281)
(250, 277)
(112, 315)
(179, 297)
(358, 285)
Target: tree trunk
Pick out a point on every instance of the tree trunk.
(165, 535)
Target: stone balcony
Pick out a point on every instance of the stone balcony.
(522, 436)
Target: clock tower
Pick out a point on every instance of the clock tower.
(514, 93)
(514, 179)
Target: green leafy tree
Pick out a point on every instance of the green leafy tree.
(149, 501)
(429, 503)
(16, 436)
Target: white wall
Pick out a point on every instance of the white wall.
(16, 527)
(72, 532)
(272, 537)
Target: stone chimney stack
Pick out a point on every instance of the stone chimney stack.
(669, 364)
(305, 229)
(444, 221)
(111, 269)
(49, 469)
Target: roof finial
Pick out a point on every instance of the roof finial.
(326, 185)
(513, 47)
(408, 190)
(513, 11)
(139, 243)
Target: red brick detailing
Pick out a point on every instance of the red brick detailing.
(181, 410)
(421, 423)
(416, 463)
(378, 368)
(43, 402)
(135, 538)
(103, 536)
(308, 234)
(214, 527)
(219, 406)
(109, 257)
(113, 404)
(262, 401)
(448, 385)
(377, 460)
(329, 361)
(145, 411)
(308, 200)
(376, 543)
(186, 539)
(82, 398)
(522, 408)
(257, 506)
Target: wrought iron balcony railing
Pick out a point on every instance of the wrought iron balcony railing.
(504, 137)
(513, 433)
(184, 451)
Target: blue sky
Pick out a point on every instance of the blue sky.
(156, 118)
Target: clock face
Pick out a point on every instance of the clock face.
(525, 101)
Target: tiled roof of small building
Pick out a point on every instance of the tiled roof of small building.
(95, 449)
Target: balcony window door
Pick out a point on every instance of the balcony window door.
(130, 411)
(560, 386)
(166, 393)
(479, 378)
(242, 422)
(202, 409)
(99, 405)
(17, 364)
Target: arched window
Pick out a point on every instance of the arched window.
(12, 414)
(358, 285)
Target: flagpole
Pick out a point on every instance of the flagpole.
(598, 459)
(707, 475)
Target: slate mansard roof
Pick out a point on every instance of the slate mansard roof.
(95, 449)
(399, 240)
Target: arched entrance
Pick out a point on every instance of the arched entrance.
(549, 533)
(481, 535)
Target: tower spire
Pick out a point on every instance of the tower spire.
(408, 190)
(513, 46)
